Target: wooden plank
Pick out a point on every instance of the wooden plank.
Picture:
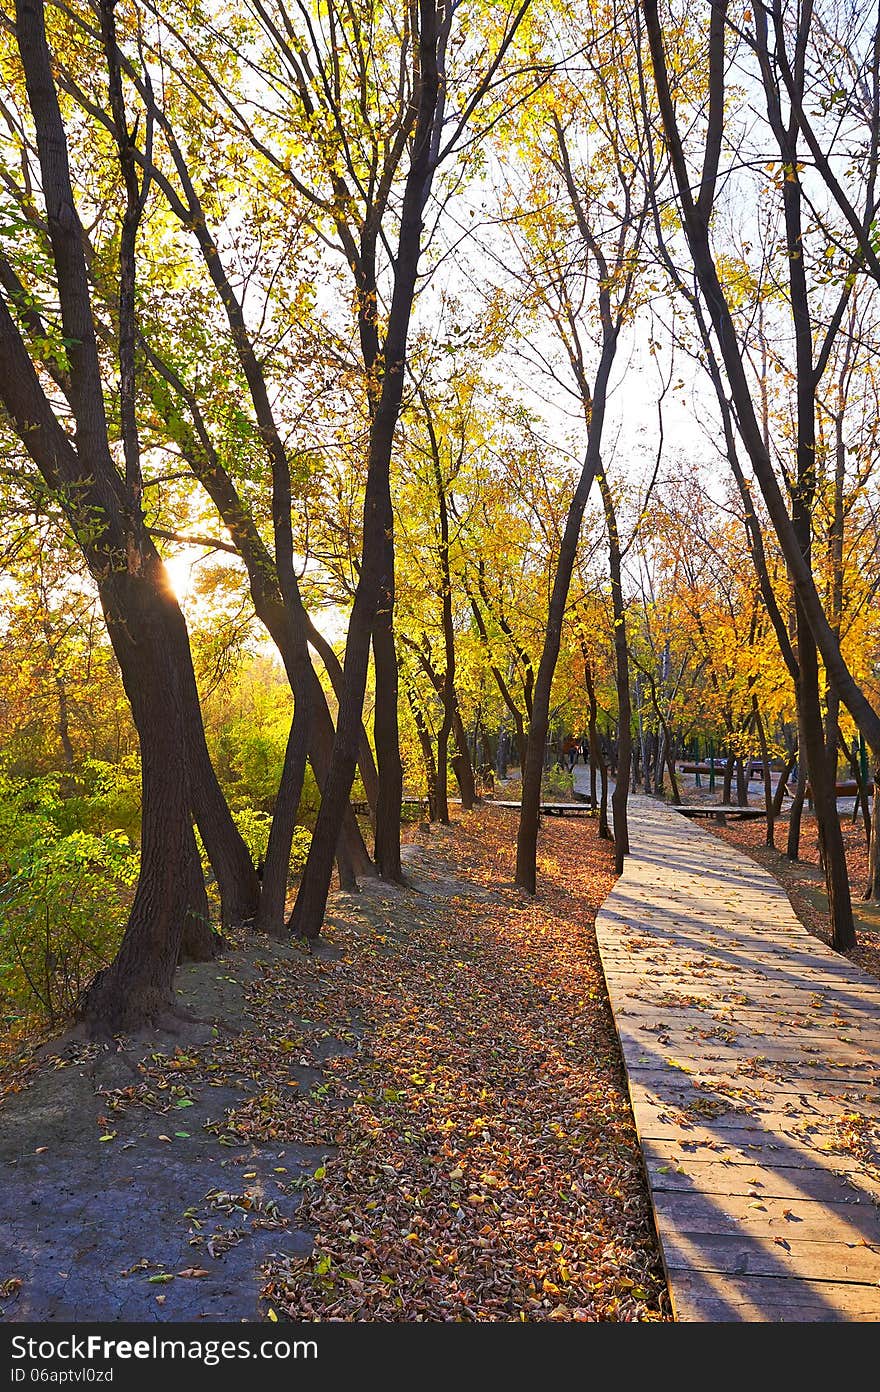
(672, 1173)
(759, 1300)
(798, 1219)
(741, 1254)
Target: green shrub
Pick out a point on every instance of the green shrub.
(254, 827)
(557, 784)
(62, 914)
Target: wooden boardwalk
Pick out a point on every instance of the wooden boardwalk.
(753, 1058)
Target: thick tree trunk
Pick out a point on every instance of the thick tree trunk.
(462, 764)
(742, 784)
(352, 858)
(366, 763)
(442, 767)
(137, 986)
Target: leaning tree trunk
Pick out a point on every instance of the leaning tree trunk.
(199, 942)
(224, 846)
(462, 764)
(137, 987)
(276, 870)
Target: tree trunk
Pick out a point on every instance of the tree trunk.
(861, 802)
(276, 871)
(843, 935)
(225, 848)
(742, 784)
(386, 851)
(527, 836)
(199, 942)
(596, 760)
(137, 987)
(620, 797)
(729, 766)
(352, 858)
(442, 767)
(462, 764)
(366, 762)
(765, 760)
(781, 785)
(872, 888)
(426, 745)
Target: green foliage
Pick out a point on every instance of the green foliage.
(255, 826)
(299, 850)
(107, 797)
(63, 905)
(557, 784)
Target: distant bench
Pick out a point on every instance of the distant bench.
(407, 804)
(551, 809)
(720, 811)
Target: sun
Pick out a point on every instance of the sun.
(179, 571)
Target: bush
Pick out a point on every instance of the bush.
(254, 827)
(557, 784)
(62, 915)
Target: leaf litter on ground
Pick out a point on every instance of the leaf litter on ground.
(485, 1164)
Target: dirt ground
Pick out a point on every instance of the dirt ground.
(425, 1119)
